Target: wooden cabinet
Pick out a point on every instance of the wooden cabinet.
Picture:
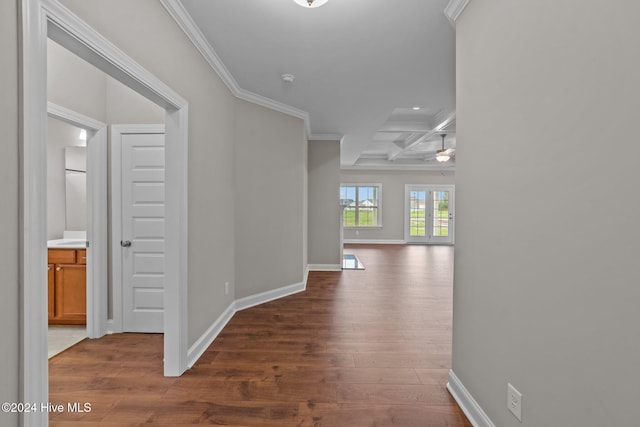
(67, 286)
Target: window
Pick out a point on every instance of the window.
(362, 205)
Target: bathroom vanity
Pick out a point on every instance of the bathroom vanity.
(67, 282)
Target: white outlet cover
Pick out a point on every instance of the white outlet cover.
(514, 401)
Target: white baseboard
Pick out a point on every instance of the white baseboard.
(374, 242)
(261, 298)
(199, 347)
(467, 403)
(206, 339)
(324, 267)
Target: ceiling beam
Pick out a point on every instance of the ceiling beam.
(447, 121)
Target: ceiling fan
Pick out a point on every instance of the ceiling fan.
(443, 155)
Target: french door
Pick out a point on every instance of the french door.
(429, 214)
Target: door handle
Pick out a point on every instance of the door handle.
(125, 243)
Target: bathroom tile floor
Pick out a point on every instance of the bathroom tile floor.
(62, 337)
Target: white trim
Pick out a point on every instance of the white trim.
(97, 208)
(74, 118)
(324, 267)
(467, 403)
(206, 339)
(454, 9)
(374, 242)
(34, 370)
(186, 23)
(273, 294)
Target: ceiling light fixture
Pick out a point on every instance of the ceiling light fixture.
(442, 155)
(310, 4)
(415, 108)
(289, 78)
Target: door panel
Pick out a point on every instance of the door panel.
(429, 214)
(143, 226)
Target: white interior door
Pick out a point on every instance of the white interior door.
(142, 231)
(429, 214)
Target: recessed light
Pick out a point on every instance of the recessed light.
(288, 78)
(310, 4)
(416, 108)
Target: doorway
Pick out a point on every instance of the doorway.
(138, 227)
(429, 214)
(42, 20)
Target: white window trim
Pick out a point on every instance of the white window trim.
(366, 184)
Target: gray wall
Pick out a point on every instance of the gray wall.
(393, 201)
(546, 293)
(59, 136)
(270, 199)
(324, 202)
(9, 224)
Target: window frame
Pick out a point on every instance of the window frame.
(357, 208)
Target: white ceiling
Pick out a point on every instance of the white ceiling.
(359, 66)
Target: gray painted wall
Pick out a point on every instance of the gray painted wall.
(270, 199)
(546, 292)
(324, 202)
(9, 224)
(393, 202)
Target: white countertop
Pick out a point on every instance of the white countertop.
(70, 240)
(67, 244)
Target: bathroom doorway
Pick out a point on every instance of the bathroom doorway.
(51, 20)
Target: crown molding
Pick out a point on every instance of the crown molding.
(454, 9)
(185, 22)
(325, 137)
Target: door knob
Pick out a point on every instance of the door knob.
(125, 243)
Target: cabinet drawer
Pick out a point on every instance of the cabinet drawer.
(62, 256)
(81, 257)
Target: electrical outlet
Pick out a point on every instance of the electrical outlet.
(226, 288)
(514, 401)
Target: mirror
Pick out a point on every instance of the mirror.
(75, 164)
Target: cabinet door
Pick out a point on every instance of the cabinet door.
(51, 302)
(71, 294)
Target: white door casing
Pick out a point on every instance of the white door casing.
(138, 227)
(97, 276)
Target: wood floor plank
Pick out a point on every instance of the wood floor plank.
(357, 348)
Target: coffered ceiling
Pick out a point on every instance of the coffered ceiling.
(359, 68)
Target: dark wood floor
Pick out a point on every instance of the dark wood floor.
(358, 348)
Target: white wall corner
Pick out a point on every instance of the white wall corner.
(186, 23)
(454, 9)
(467, 403)
(326, 137)
(325, 267)
(201, 345)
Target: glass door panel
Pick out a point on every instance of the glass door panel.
(429, 214)
(418, 213)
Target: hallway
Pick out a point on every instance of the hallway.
(358, 348)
